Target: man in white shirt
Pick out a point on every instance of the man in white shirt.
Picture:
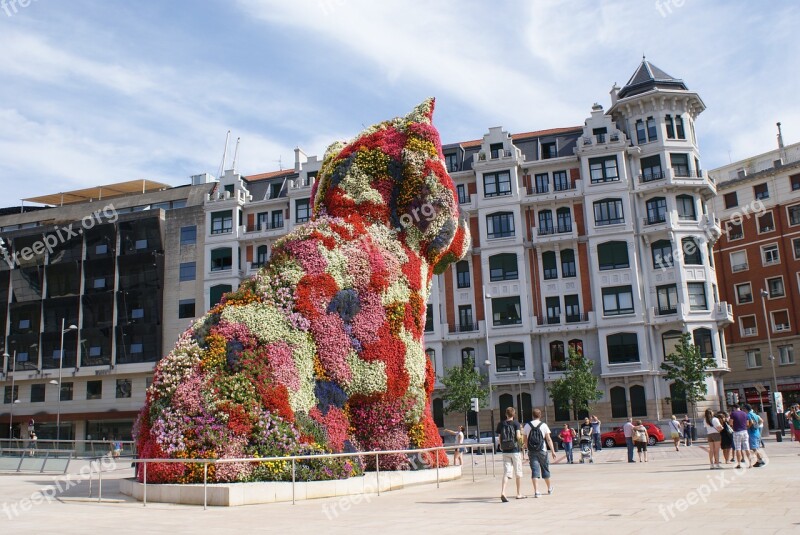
(537, 451)
(627, 430)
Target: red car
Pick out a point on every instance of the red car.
(616, 437)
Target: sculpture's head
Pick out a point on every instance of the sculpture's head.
(393, 173)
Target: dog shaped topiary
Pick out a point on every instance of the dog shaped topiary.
(322, 350)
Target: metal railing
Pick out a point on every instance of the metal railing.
(33, 455)
(295, 458)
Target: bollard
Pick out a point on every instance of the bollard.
(99, 482)
(205, 485)
(144, 492)
(378, 473)
(472, 461)
(437, 467)
(293, 476)
(90, 480)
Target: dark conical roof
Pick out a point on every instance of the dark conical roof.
(648, 77)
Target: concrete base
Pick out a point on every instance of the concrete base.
(233, 494)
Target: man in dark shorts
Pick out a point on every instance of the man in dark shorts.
(512, 458)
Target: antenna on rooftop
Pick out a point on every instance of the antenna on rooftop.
(224, 155)
(279, 161)
(236, 153)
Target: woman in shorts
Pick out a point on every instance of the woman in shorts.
(713, 428)
(640, 438)
(675, 431)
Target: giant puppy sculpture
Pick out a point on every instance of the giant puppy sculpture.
(323, 349)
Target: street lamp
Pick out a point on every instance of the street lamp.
(488, 361)
(14, 399)
(773, 404)
(53, 382)
(520, 374)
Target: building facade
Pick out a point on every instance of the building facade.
(758, 260)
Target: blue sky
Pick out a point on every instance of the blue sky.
(97, 91)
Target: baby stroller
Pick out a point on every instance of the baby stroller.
(585, 441)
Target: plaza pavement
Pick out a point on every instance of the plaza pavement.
(674, 492)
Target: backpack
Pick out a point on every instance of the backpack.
(508, 437)
(535, 437)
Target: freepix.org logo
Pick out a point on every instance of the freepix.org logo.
(11, 7)
(58, 236)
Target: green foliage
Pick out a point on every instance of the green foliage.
(578, 387)
(461, 384)
(688, 368)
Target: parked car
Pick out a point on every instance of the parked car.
(487, 437)
(616, 437)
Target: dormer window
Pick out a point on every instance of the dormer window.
(496, 150)
(549, 151)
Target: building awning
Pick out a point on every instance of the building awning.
(98, 193)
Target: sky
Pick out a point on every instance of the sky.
(100, 91)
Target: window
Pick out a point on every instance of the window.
(667, 297)
(463, 196)
(731, 200)
(702, 341)
(99, 284)
(549, 265)
(770, 254)
(465, 322)
(617, 300)
(680, 164)
(670, 341)
(560, 181)
(123, 388)
(503, 267)
(761, 191)
(652, 133)
(277, 219)
(66, 391)
(766, 223)
(500, 225)
(188, 235)
(622, 348)
(549, 150)
(186, 308)
(744, 293)
(619, 402)
(752, 358)
(679, 127)
(302, 210)
(608, 212)
(188, 271)
(686, 208)
(429, 318)
(691, 252)
(94, 390)
(796, 247)
(603, 169)
(545, 222)
(780, 321)
(468, 357)
(497, 184)
(7, 394)
(794, 180)
(137, 348)
(140, 244)
(216, 292)
(656, 211)
(438, 412)
(553, 306)
(137, 313)
(37, 393)
(462, 274)
(101, 249)
(638, 401)
(576, 345)
(640, 132)
(734, 231)
(785, 355)
(557, 361)
(600, 134)
(509, 356)
(221, 259)
(794, 215)
(670, 123)
(452, 162)
(262, 255)
(613, 255)
(541, 181)
(568, 263)
(572, 308)
(662, 254)
(651, 168)
(496, 150)
(739, 261)
(748, 325)
(775, 287)
(697, 296)
(677, 399)
(564, 220)
(221, 222)
(506, 311)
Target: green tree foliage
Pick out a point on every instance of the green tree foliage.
(578, 387)
(461, 384)
(688, 369)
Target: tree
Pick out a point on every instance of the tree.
(578, 387)
(461, 384)
(688, 368)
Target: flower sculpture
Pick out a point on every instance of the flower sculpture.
(322, 350)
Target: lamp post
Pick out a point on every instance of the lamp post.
(14, 399)
(488, 361)
(520, 373)
(773, 404)
(60, 367)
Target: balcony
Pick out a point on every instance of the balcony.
(564, 322)
(551, 234)
(711, 225)
(463, 328)
(655, 219)
(466, 331)
(263, 230)
(675, 177)
(548, 193)
(723, 313)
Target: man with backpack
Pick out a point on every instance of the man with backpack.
(754, 425)
(510, 436)
(537, 437)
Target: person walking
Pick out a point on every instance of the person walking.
(754, 425)
(675, 431)
(686, 423)
(510, 436)
(741, 441)
(627, 430)
(567, 435)
(793, 414)
(640, 438)
(595, 421)
(713, 429)
(726, 437)
(538, 440)
(459, 452)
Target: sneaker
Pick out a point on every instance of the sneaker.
(537, 494)
(758, 464)
(550, 490)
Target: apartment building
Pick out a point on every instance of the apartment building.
(758, 259)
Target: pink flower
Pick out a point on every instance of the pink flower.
(282, 365)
